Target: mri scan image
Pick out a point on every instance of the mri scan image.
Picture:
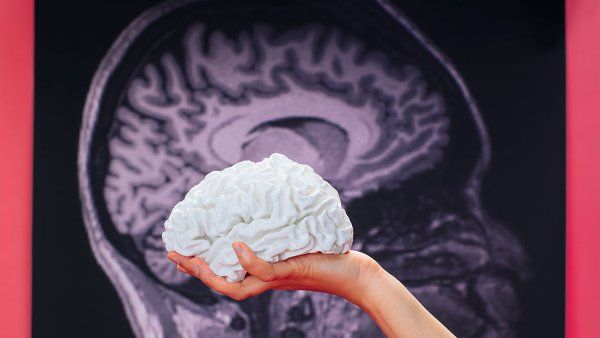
(351, 88)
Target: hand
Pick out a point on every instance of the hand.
(353, 275)
(346, 275)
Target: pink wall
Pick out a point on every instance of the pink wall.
(583, 172)
(16, 143)
(583, 168)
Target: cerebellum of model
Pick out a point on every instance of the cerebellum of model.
(278, 207)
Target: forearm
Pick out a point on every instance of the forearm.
(354, 276)
(396, 311)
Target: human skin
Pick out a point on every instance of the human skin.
(354, 276)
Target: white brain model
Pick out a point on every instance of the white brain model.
(278, 207)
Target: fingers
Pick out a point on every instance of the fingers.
(258, 267)
(198, 268)
(250, 286)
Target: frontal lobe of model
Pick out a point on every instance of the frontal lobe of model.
(313, 93)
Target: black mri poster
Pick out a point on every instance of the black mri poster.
(440, 123)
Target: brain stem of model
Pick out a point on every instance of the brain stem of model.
(314, 94)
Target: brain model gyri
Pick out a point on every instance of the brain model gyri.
(280, 208)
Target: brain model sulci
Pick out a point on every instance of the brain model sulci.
(278, 207)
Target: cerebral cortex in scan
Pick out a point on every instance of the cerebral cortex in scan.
(353, 90)
(312, 93)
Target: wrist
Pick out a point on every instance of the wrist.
(369, 279)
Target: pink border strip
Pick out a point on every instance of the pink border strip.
(16, 150)
(583, 168)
